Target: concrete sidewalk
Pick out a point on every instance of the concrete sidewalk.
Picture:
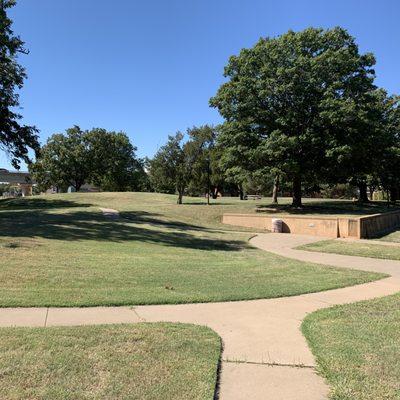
(265, 355)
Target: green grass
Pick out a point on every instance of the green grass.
(357, 348)
(391, 237)
(142, 361)
(361, 249)
(59, 250)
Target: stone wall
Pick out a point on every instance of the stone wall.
(318, 226)
(362, 227)
(378, 224)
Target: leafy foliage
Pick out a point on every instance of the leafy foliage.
(191, 166)
(106, 159)
(112, 160)
(170, 169)
(286, 100)
(15, 139)
(389, 166)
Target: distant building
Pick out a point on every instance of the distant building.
(21, 181)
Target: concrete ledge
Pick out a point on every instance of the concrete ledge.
(353, 227)
(373, 225)
(305, 225)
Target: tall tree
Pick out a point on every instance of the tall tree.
(207, 176)
(106, 159)
(389, 167)
(63, 161)
(281, 98)
(364, 131)
(112, 160)
(15, 138)
(170, 169)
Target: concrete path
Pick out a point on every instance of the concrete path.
(265, 355)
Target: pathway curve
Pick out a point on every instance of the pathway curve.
(265, 355)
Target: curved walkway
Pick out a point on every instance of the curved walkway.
(265, 355)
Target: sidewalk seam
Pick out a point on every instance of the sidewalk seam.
(270, 364)
(47, 314)
(137, 314)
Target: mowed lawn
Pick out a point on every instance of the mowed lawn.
(357, 347)
(59, 250)
(361, 249)
(391, 237)
(141, 361)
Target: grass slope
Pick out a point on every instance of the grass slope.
(59, 250)
(143, 361)
(357, 348)
(392, 237)
(362, 249)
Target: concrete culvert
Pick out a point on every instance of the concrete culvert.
(276, 225)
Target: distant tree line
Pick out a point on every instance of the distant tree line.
(302, 115)
(102, 158)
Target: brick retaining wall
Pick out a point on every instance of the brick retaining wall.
(361, 227)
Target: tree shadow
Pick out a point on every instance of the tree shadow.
(212, 203)
(91, 225)
(155, 219)
(32, 203)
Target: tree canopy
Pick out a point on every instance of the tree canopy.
(105, 159)
(286, 99)
(15, 138)
(188, 164)
(170, 167)
(301, 111)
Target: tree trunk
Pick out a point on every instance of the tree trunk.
(393, 194)
(275, 190)
(180, 196)
(363, 196)
(241, 194)
(296, 202)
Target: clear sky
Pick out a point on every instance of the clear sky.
(149, 67)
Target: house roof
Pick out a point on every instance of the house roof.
(14, 176)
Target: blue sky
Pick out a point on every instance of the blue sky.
(149, 67)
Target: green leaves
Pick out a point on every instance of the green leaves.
(106, 159)
(287, 99)
(15, 139)
(188, 165)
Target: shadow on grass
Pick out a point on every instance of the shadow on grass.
(37, 204)
(332, 207)
(155, 219)
(90, 225)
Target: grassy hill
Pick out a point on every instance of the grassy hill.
(59, 250)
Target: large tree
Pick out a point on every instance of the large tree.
(15, 138)
(170, 168)
(112, 160)
(63, 161)
(207, 176)
(106, 159)
(361, 141)
(389, 166)
(281, 99)
(188, 164)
